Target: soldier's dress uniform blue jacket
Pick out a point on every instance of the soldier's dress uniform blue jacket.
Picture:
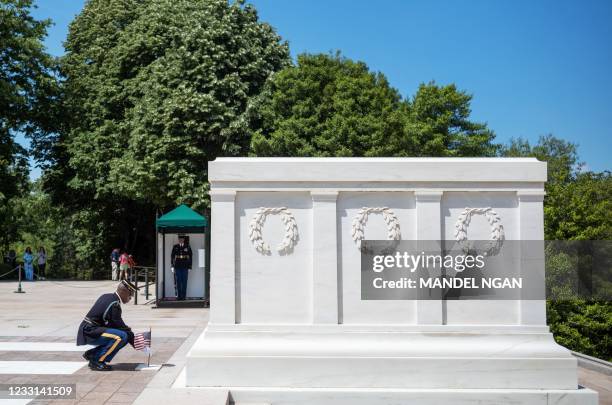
(181, 259)
(181, 256)
(104, 327)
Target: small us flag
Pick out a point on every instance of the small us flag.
(142, 340)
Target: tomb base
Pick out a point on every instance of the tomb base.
(340, 396)
(288, 365)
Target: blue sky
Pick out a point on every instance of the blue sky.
(534, 67)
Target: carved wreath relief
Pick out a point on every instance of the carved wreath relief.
(497, 230)
(360, 220)
(291, 236)
(291, 232)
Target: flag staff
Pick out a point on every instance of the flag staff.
(151, 344)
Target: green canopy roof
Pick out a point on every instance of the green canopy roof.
(181, 217)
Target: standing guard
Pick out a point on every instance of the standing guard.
(181, 260)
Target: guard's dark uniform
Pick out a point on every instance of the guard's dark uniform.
(104, 328)
(181, 259)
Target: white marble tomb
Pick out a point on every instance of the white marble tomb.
(287, 323)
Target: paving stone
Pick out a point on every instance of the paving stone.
(83, 389)
(57, 321)
(132, 386)
(97, 395)
(123, 398)
(599, 382)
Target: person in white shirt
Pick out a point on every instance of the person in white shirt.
(42, 263)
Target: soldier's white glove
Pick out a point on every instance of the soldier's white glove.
(189, 269)
(172, 268)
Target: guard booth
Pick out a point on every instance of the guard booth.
(182, 221)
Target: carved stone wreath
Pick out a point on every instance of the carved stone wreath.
(497, 230)
(360, 220)
(291, 232)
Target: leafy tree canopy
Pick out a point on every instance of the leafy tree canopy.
(157, 88)
(560, 155)
(577, 203)
(439, 122)
(328, 105)
(27, 86)
(151, 91)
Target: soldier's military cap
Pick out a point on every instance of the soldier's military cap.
(129, 286)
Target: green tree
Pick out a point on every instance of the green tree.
(13, 182)
(328, 105)
(152, 90)
(582, 326)
(561, 156)
(439, 122)
(27, 88)
(580, 209)
(37, 221)
(162, 91)
(576, 207)
(577, 203)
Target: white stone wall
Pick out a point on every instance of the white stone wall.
(318, 281)
(493, 312)
(276, 288)
(352, 309)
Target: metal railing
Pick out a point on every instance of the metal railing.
(19, 289)
(18, 268)
(135, 276)
(9, 272)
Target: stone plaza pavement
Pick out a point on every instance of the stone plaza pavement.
(39, 328)
(38, 336)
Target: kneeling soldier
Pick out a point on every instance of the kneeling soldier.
(104, 328)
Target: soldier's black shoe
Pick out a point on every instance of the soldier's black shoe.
(88, 355)
(99, 366)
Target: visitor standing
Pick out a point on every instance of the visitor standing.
(42, 263)
(124, 265)
(131, 265)
(12, 258)
(28, 264)
(114, 256)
